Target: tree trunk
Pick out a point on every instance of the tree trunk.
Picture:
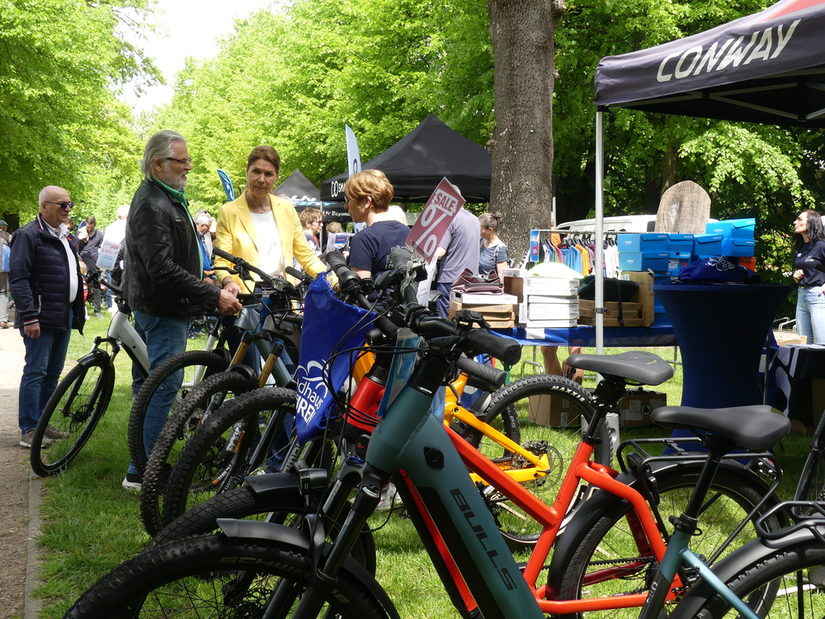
(522, 146)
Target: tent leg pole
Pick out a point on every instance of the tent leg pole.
(598, 267)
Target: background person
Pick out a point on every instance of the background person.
(48, 294)
(311, 223)
(5, 237)
(163, 277)
(368, 194)
(203, 222)
(459, 250)
(89, 249)
(493, 255)
(114, 233)
(809, 273)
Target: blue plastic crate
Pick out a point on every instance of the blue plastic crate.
(705, 245)
(679, 242)
(642, 242)
(738, 247)
(644, 261)
(733, 228)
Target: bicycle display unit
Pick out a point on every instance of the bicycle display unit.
(297, 572)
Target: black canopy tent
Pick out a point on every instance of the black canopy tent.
(300, 190)
(304, 193)
(768, 67)
(418, 161)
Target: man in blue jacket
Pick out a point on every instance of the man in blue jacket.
(48, 294)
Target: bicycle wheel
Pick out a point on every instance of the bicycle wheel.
(549, 410)
(280, 505)
(74, 409)
(215, 459)
(606, 560)
(202, 401)
(784, 582)
(191, 363)
(811, 485)
(214, 576)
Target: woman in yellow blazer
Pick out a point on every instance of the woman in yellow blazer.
(261, 228)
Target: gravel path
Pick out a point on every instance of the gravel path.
(19, 512)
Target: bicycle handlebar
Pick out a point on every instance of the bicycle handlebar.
(243, 264)
(423, 322)
(485, 374)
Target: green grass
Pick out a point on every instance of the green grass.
(90, 524)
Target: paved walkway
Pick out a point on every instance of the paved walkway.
(20, 492)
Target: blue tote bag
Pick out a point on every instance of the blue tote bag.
(326, 321)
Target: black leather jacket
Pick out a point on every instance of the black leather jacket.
(162, 275)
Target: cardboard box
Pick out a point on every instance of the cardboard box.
(636, 406)
(631, 313)
(545, 410)
(548, 311)
(551, 286)
(644, 295)
(557, 323)
(784, 338)
(500, 316)
(482, 299)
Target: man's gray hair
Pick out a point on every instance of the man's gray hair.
(159, 146)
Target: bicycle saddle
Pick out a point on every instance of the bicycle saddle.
(638, 366)
(755, 427)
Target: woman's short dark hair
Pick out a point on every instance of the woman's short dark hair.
(267, 153)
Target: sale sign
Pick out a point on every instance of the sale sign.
(440, 210)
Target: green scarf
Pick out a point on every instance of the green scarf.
(180, 197)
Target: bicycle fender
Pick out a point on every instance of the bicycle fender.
(262, 484)
(256, 529)
(92, 355)
(751, 554)
(586, 514)
(299, 540)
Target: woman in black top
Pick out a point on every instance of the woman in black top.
(809, 273)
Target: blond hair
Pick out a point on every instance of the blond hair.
(370, 184)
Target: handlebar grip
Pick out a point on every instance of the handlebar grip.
(481, 375)
(336, 259)
(225, 255)
(503, 348)
(299, 275)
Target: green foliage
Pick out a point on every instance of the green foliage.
(294, 80)
(60, 61)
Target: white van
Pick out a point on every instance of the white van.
(623, 223)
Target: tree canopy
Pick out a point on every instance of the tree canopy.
(293, 78)
(60, 64)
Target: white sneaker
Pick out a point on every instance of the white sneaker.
(389, 499)
(132, 482)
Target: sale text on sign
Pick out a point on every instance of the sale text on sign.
(432, 224)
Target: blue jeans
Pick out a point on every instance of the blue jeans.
(45, 357)
(165, 337)
(443, 302)
(810, 314)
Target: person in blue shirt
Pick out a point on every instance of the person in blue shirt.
(368, 198)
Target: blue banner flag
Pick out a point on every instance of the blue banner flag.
(227, 185)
